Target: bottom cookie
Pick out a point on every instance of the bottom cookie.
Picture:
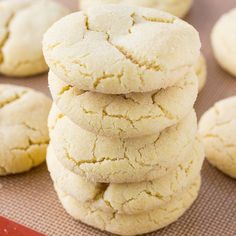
(131, 224)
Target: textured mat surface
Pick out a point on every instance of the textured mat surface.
(30, 199)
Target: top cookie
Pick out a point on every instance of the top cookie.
(218, 130)
(223, 41)
(176, 7)
(22, 25)
(117, 49)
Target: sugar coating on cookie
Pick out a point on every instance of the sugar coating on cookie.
(218, 131)
(123, 224)
(129, 115)
(223, 41)
(131, 198)
(107, 49)
(23, 128)
(176, 7)
(115, 160)
(201, 72)
(22, 25)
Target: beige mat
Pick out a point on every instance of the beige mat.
(29, 198)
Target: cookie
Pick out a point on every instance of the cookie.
(125, 116)
(122, 224)
(23, 128)
(115, 160)
(201, 72)
(218, 131)
(107, 49)
(22, 25)
(127, 198)
(223, 39)
(177, 7)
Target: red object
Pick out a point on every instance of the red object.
(10, 228)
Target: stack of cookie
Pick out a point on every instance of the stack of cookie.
(124, 156)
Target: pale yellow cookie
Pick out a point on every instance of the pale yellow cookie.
(176, 7)
(117, 49)
(223, 41)
(23, 128)
(22, 25)
(115, 160)
(201, 72)
(122, 224)
(130, 115)
(128, 198)
(218, 130)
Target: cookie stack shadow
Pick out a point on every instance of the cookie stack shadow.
(124, 158)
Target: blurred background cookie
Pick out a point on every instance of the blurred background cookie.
(176, 7)
(201, 72)
(224, 41)
(22, 25)
(23, 128)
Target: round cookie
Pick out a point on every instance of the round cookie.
(125, 116)
(22, 25)
(178, 8)
(223, 41)
(114, 160)
(23, 128)
(129, 198)
(122, 224)
(218, 130)
(201, 72)
(107, 49)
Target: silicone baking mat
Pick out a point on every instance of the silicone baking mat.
(29, 198)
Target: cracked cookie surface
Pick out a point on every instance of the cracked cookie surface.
(217, 128)
(116, 160)
(107, 49)
(129, 198)
(223, 40)
(22, 25)
(129, 115)
(123, 224)
(23, 128)
(178, 8)
(201, 72)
